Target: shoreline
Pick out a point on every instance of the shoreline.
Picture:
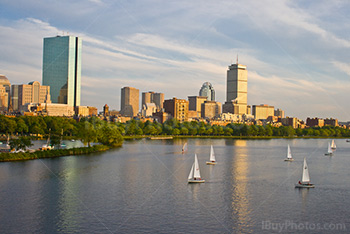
(10, 157)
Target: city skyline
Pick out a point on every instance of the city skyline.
(296, 53)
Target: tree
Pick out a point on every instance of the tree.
(20, 143)
(87, 132)
(110, 135)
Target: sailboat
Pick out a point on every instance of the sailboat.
(212, 160)
(305, 179)
(329, 151)
(195, 175)
(47, 146)
(184, 148)
(289, 155)
(333, 146)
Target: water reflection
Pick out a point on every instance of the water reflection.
(240, 202)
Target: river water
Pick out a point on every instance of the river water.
(142, 188)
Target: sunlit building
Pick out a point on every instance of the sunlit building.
(32, 92)
(236, 90)
(263, 111)
(177, 108)
(62, 68)
(129, 101)
(195, 103)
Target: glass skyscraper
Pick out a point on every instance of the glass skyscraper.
(62, 68)
(207, 90)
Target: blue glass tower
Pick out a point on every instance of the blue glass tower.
(207, 90)
(62, 68)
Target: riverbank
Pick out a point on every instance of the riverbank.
(229, 137)
(7, 157)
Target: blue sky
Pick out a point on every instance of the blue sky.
(297, 52)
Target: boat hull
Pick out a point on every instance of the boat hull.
(328, 154)
(289, 160)
(195, 181)
(304, 186)
(211, 163)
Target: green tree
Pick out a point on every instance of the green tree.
(20, 143)
(110, 135)
(87, 133)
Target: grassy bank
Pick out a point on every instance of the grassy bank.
(6, 157)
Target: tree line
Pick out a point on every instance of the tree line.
(93, 129)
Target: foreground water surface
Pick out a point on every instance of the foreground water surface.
(142, 188)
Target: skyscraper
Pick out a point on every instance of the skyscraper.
(62, 68)
(129, 105)
(207, 90)
(237, 89)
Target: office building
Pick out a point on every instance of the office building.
(32, 92)
(129, 105)
(263, 111)
(236, 90)
(62, 69)
(5, 93)
(177, 108)
(195, 103)
(211, 109)
(279, 113)
(314, 122)
(208, 91)
(152, 97)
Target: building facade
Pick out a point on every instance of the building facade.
(62, 68)
(32, 92)
(5, 93)
(236, 89)
(152, 97)
(129, 105)
(279, 113)
(177, 108)
(263, 111)
(195, 103)
(208, 91)
(211, 109)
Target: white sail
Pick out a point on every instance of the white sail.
(306, 177)
(196, 173)
(329, 148)
(190, 176)
(289, 153)
(212, 154)
(333, 146)
(184, 148)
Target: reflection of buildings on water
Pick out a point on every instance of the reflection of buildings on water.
(240, 199)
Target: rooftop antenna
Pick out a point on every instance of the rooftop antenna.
(237, 58)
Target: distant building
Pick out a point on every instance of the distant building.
(211, 109)
(208, 91)
(92, 111)
(314, 122)
(152, 97)
(3, 99)
(161, 117)
(5, 93)
(49, 109)
(331, 122)
(236, 90)
(129, 101)
(177, 108)
(148, 109)
(32, 92)
(105, 110)
(290, 121)
(62, 68)
(82, 111)
(195, 103)
(279, 113)
(263, 111)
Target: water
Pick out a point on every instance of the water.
(142, 188)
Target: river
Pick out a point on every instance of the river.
(142, 188)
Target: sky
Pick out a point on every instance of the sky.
(297, 53)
